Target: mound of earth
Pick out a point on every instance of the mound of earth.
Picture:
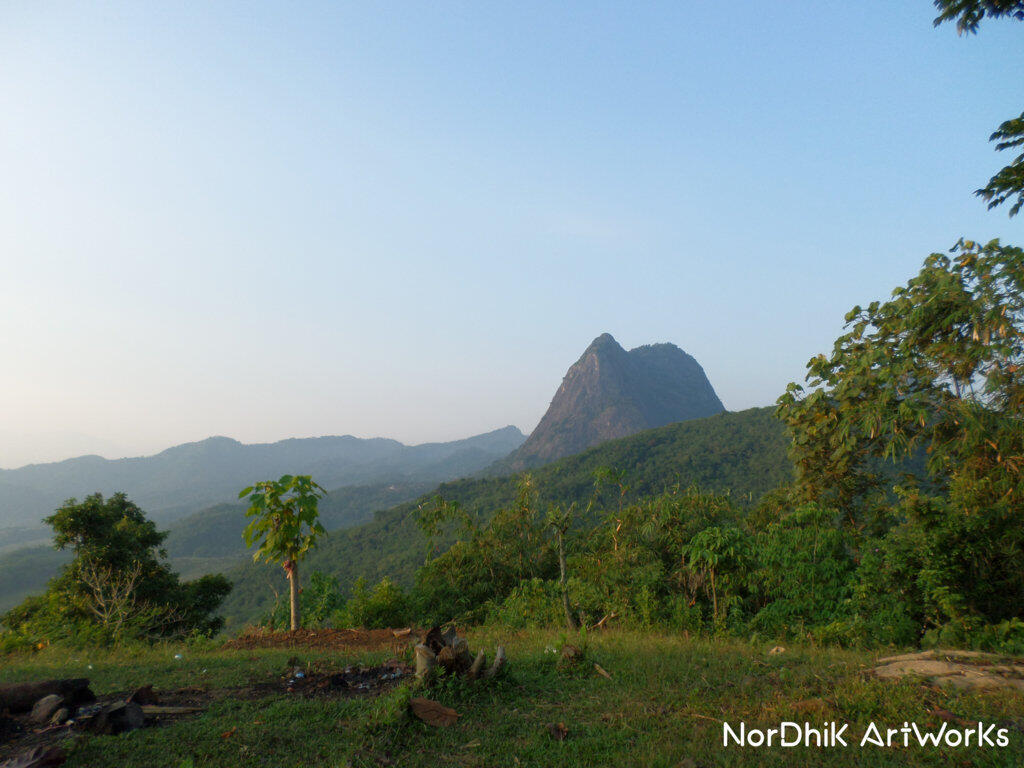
(325, 639)
(960, 669)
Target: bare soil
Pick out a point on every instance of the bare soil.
(325, 639)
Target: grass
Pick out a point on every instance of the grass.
(664, 706)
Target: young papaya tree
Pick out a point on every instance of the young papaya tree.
(285, 526)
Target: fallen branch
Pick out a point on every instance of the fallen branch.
(156, 709)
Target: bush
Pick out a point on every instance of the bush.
(386, 605)
(533, 603)
(318, 601)
(802, 578)
(118, 588)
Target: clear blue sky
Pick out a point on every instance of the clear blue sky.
(408, 219)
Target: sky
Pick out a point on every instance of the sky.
(271, 220)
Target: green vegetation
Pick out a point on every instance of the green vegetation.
(937, 368)
(743, 454)
(663, 706)
(285, 526)
(216, 533)
(209, 541)
(26, 571)
(117, 586)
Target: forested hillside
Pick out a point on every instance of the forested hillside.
(208, 541)
(182, 480)
(743, 454)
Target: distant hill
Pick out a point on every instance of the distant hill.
(610, 393)
(186, 478)
(744, 454)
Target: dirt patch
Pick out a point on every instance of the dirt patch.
(960, 669)
(324, 639)
(348, 681)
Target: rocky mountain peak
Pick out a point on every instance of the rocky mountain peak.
(610, 393)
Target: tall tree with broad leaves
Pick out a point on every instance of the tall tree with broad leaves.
(936, 371)
(285, 526)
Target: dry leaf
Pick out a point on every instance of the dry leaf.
(432, 713)
(229, 734)
(602, 671)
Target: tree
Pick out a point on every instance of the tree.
(969, 13)
(936, 371)
(715, 553)
(939, 368)
(1009, 181)
(118, 585)
(285, 526)
(559, 520)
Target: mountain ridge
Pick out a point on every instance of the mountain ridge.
(183, 478)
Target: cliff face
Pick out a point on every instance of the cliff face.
(610, 393)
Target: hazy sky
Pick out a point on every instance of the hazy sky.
(408, 219)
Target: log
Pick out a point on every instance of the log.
(21, 697)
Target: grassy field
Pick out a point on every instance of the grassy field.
(663, 706)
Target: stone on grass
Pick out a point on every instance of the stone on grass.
(45, 707)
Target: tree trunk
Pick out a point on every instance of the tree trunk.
(293, 585)
(570, 620)
(714, 596)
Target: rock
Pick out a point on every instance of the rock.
(45, 707)
(959, 669)
(610, 393)
(117, 719)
